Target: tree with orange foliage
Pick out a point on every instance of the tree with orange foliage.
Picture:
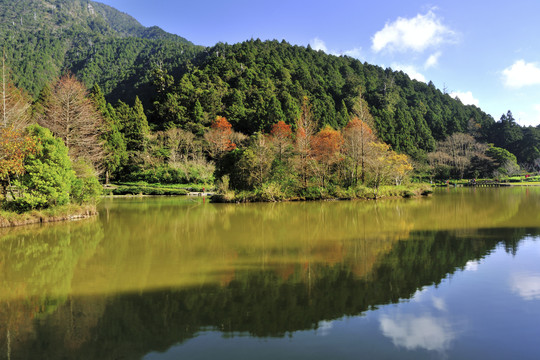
(15, 146)
(220, 137)
(281, 134)
(326, 147)
(358, 138)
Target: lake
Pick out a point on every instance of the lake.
(452, 276)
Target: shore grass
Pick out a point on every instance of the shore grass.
(59, 213)
(273, 193)
(143, 188)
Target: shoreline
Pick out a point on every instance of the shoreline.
(69, 213)
(365, 194)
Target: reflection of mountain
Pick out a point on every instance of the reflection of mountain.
(153, 272)
(258, 302)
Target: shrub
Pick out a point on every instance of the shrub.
(49, 175)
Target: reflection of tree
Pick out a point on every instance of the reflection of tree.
(262, 269)
(36, 269)
(261, 303)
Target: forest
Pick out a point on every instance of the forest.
(267, 118)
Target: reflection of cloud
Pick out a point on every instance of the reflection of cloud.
(325, 327)
(472, 266)
(412, 332)
(526, 285)
(439, 304)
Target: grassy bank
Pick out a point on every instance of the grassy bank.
(272, 193)
(143, 188)
(60, 213)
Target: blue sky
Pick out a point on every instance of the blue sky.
(485, 52)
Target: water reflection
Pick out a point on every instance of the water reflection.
(413, 332)
(150, 273)
(526, 285)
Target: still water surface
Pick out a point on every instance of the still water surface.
(453, 276)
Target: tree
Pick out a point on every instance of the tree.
(326, 146)
(114, 146)
(457, 151)
(220, 137)
(14, 103)
(72, 116)
(49, 175)
(181, 145)
(15, 146)
(261, 160)
(358, 138)
(280, 135)
(135, 126)
(305, 129)
(386, 165)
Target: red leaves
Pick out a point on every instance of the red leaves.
(327, 144)
(221, 124)
(220, 137)
(357, 125)
(281, 131)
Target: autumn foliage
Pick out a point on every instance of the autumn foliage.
(15, 146)
(281, 135)
(327, 145)
(220, 137)
(358, 140)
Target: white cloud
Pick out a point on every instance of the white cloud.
(432, 60)
(521, 74)
(409, 70)
(529, 118)
(466, 98)
(526, 285)
(417, 34)
(412, 332)
(355, 53)
(317, 44)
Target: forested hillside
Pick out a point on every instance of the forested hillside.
(44, 38)
(256, 84)
(253, 84)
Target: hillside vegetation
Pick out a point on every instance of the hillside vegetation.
(163, 99)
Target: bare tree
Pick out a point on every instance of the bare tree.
(457, 151)
(358, 138)
(305, 130)
(72, 116)
(14, 103)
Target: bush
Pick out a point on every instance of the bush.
(147, 190)
(49, 175)
(269, 192)
(85, 188)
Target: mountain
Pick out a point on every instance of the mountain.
(254, 83)
(257, 83)
(43, 38)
